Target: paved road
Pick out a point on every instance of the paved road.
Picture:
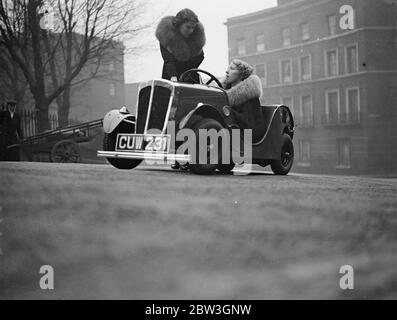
(152, 233)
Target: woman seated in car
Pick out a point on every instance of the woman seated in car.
(244, 89)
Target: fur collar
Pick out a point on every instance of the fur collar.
(244, 91)
(182, 49)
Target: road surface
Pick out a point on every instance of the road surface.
(160, 234)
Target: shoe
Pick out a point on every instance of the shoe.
(176, 166)
(184, 167)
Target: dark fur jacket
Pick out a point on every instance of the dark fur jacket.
(248, 89)
(246, 107)
(181, 48)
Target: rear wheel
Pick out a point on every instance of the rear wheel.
(203, 163)
(283, 166)
(109, 144)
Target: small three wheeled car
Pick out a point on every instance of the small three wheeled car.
(129, 138)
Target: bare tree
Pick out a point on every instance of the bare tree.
(12, 82)
(61, 43)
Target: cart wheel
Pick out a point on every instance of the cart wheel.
(65, 151)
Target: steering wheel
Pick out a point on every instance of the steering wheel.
(188, 75)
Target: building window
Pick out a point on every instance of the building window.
(305, 31)
(304, 152)
(344, 159)
(260, 71)
(331, 63)
(260, 43)
(332, 107)
(241, 47)
(112, 89)
(286, 71)
(111, 66)
(331, 25)
(352, 106)
(286, 35)
(305, 68)
(288, 101)
(351, 53)
(306, 111)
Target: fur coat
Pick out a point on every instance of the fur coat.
(250, 88)
(246, 106)
(183, 49)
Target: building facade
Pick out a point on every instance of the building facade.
(131, 96)
(106, 91)
(341, 84)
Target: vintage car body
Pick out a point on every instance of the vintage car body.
(161, 102)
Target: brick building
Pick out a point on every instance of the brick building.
(340, 84)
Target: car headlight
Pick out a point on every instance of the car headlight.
(226, 111)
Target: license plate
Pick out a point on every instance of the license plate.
(141, 142)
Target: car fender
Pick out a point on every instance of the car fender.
(199, 111)
(112, 119)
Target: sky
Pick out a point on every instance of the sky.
(212, 13)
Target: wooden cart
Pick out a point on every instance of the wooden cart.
(62, 145)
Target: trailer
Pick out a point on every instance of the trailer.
(62, 145)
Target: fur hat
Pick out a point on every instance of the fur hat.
(183, 49)
(245, 90)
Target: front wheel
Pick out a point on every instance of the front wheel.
(109, 144)
(204, 149)
(283, 166)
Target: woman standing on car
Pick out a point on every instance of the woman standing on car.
(182, 39)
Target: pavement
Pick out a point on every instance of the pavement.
(154, 233)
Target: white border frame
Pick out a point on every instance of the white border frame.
(264, 80)
(300, 163)
(281, 71)
(301, 33)
(282, 37)
(344, 166)
(310, 67)
(327, 92)
(237, 47)
(311, 108)
(354, 44)
(326, 63)
(358, 98)
(256, 42)
(336, 25)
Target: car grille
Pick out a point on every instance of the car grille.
(158, 110)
